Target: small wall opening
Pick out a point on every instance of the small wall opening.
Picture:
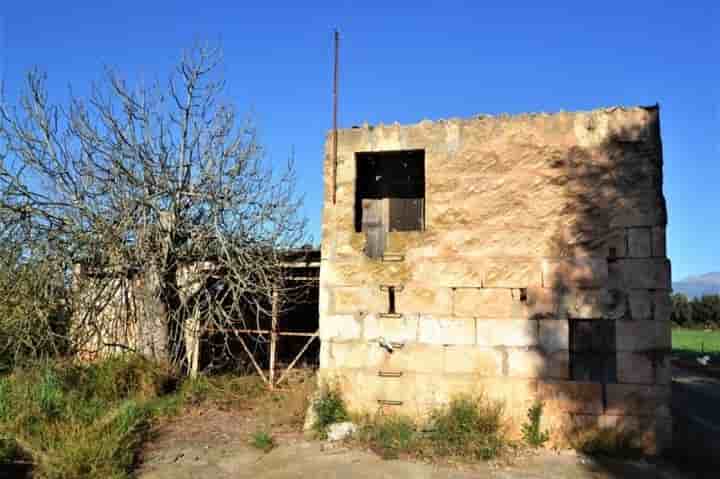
(390, 191)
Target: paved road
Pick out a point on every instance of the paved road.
(696, 420)
(696, 396)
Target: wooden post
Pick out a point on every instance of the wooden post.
(273, 337)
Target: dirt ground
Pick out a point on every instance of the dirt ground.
(214, 443)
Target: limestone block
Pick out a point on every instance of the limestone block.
(350, 355)
(616, 244)
(663, 305)
(639, 208)
(365, 271)
(352, 299)
(465, 242)
(325, 354)
(424, 299)
(650, 273)
(586, 272)
(507, 332)
(473, 360)
(401, 330)
(419, 358)
(640, 400)
(488, 303)
(324, 300)
(642, 335)
(659, 241)
(635, 368)
(544, 302)
(340, 327)
(457, 272)
(571, 397)
(446, 331)
(434, 390)
(532, 363)
(554, 335)
(641, 304)
(517, 394)
(590, 303)
(512, 273)
(639, 241)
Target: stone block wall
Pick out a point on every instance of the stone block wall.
(532, 222)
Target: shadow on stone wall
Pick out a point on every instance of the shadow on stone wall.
(609, 186)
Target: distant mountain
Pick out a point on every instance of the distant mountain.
(708, 283)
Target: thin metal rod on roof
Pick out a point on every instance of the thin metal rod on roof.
(335, 114)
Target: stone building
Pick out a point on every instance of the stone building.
(522, 257)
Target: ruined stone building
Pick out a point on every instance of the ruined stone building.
(522, 257)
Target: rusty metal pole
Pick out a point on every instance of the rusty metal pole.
(335, 114)
(273, 337)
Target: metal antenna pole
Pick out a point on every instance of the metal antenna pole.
(335, 114)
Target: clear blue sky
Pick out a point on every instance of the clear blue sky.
(416, 60)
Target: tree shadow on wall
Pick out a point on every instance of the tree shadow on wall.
(608, 186)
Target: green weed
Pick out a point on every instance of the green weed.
(329, 408)
(389, 436)
(469, 427)
(262, 440)
(532, 434)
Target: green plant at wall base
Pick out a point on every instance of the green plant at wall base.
(389, 435)
(469, 427)
(329, 409)
(263, 441)
(532, 434)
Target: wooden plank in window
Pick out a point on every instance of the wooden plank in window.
(406, 214)
(374, 227)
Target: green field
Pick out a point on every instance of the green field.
(693, 342)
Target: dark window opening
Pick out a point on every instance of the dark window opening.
(390, 191)
(592, 351)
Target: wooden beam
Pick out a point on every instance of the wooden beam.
(297, 357)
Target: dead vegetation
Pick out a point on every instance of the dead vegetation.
(140, 219)
(75, 420)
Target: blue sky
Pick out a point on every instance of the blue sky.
(405, 61)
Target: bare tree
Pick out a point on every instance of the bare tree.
(156, 205)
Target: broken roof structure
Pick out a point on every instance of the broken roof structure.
(522, 257)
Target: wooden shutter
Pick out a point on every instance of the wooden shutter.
(406, 214)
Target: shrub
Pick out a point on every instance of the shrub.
(329, 409)
(532, 434)
(263, 441)
(389, 435)
(79, 420)
(469, 427)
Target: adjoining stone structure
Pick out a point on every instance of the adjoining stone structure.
(518, 256)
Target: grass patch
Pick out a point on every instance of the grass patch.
(89, 420)
(467, 429)
(81, 420)
(262, 440)
(607, 442)
(691, 343)
(389, 436)
(329, 408)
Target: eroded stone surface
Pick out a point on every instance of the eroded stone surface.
(531, 222)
